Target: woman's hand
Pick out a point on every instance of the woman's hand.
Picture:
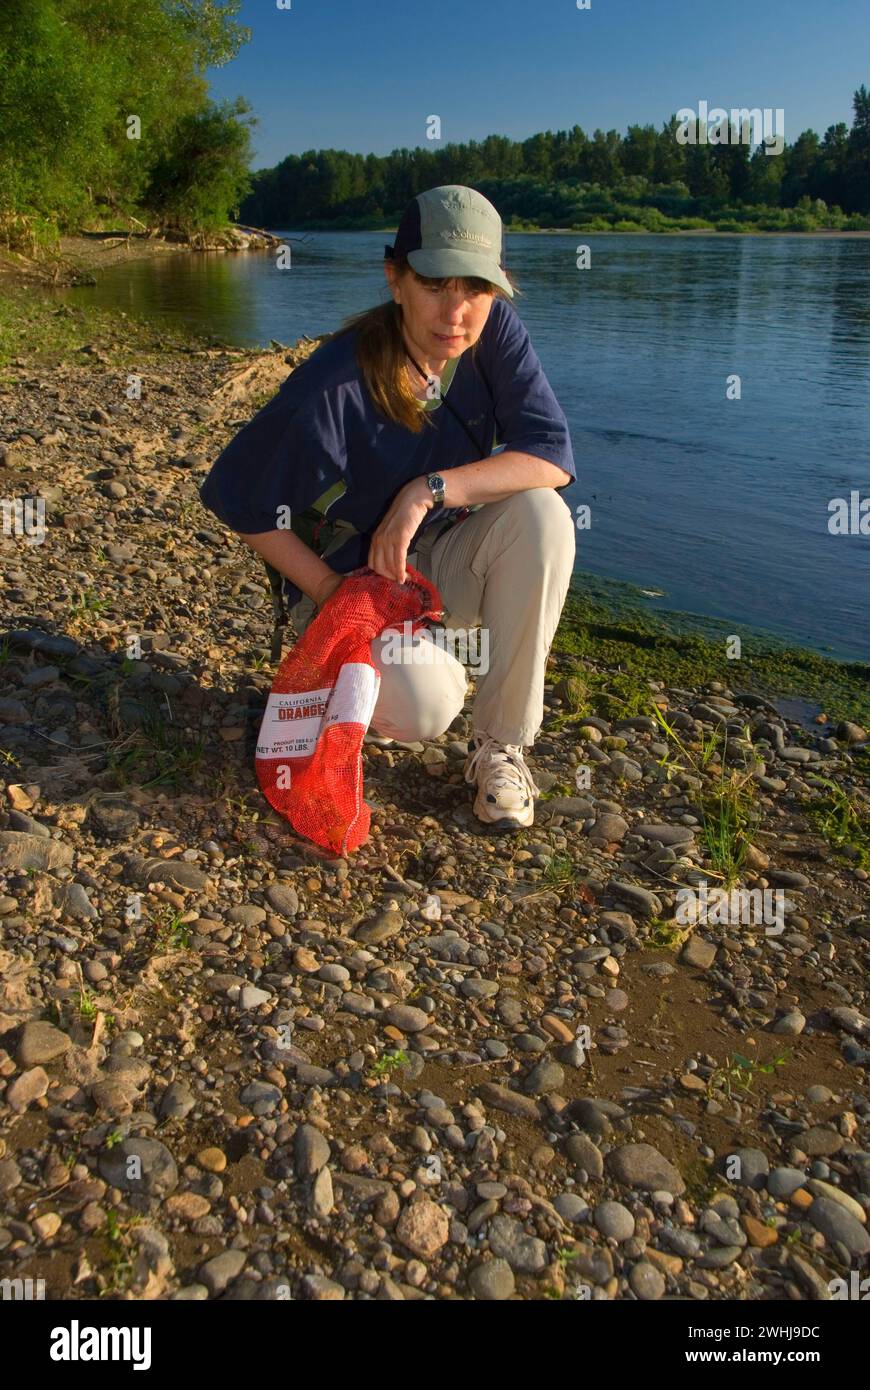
(388, 549)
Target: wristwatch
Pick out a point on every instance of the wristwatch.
(435, 484)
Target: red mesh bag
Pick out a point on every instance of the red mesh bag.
(309, 749)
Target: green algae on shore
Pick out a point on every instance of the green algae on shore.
(604, 622)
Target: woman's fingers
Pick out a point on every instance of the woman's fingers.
(387, 556)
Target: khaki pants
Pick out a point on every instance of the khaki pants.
(505, 569)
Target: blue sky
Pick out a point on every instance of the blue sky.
(363, 75)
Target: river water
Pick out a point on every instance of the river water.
(720, 505)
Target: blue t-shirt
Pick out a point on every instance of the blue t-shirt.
(322, 434)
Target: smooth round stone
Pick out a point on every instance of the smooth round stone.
(646, 1282)
(545, 1077)
(479, 989)
(782, 1182)
(754, 1167)
(492, 1281)
(837, 1224)
(406, 1018)
(571, 1207)
(790, 1025)
(586, 1155)
(334, 974)
(529, 1042)
(819, 1095)
(496, 1048)
(616, 999)
(614, 1220)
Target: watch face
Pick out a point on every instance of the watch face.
(436, 481)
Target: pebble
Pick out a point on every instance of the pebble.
(640, 899)
(790, 1024)
(584, 1154)
(698, 952)
(493, 1280)
(406, 1018)
(838, 1224)
(423, 1227)
(752, 1164)
(614, 1220)
(212, 1160)
(546, 1076)
(220, 1271)
(140, 1165)
(646, 1282)
(508, 1241)
(40, 1043)
(641, 1165)
(782, 1182)
(25, 1089)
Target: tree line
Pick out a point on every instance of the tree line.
(568, 178)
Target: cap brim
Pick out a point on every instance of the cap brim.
(461, 264)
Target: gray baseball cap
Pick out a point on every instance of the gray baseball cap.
(452, 231)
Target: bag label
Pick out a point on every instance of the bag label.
(354, 695)
(291, 723)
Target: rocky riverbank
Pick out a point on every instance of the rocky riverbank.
(79, 259)
(454, 1066)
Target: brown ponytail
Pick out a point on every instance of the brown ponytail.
(381, 352)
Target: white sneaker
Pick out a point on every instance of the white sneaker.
(505, 786)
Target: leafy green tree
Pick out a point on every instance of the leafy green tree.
(857, 174)
(830, 176)
(638, 151)
(78, 80)
(669, 164)
(800, 159)
(204, 173)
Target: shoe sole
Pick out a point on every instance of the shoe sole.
(502, 827)
(505, 823)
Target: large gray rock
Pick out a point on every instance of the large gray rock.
(140, 1165)
(508, 1241)
(492, 1281)
(19, 850)
(640, 1165)
(40, 1042)
(638, 899)
(311, 1150)
(282, 899)
(837, 1224)
(221, 1270)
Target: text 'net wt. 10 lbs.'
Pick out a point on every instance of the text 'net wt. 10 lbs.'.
(309, 749)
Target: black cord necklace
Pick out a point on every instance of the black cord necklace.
(441, 397)
(426, 376)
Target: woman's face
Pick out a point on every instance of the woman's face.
(440, 317)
